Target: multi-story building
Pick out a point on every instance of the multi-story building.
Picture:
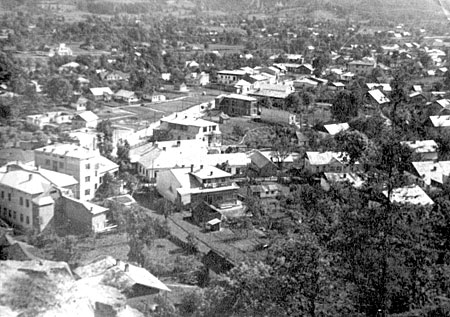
(28, 194)
(184, 127)
(228, 77)
(238, 105)
(208, 186)
(363, 67)
(87, 166)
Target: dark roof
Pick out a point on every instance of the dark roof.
(14, 154)
(217, 262)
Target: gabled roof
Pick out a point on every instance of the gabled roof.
(384, 87)
(378, 96)
(440, 121)
(425, 146)
(240, 97)
(410, 195)
(100, 91)
(334, 129)
(87, 116)
(444, 103)
(325, 158)
(432, 171)
(26, 182)
(122, 93)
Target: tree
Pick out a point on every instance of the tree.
(105, 138)
(59, 89)
(345, 106)
(354, 143)
(123, 155)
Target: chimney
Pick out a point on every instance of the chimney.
(117, 262)
(127, 267)
(211, 173)
(201, 166)
(30, 177)
(434, 169)
(192, 168)
(178, 143)
(37, 168)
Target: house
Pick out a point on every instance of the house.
(432, 173)
(426, 150)
(331, 178)
(163, 156)
(126, 96)
(197, 79)
(79, 103)
(264, 191)
(229, 77)
(305, 83)
(237, 105)
(336, 128)
(305, 69)
(243, 86)
(413, 195)
(336, 86)
(83, 217)
(85, 119)
(440, 121)
(180, 87)
(300, 139)
(69, 66)
(377, 97)
(62, 50)
(158, 98)
(185, 127)
(317, 162)
(87, 166)
(277, 116)
(165, 76)
(267, 163)
(383, 87)
(129, 279)
(362, 67)
(49, 118)
(113, 75)
(101, 93)
(207, 185)
(27, 195)
(277, 94)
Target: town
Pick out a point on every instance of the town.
(192, 158)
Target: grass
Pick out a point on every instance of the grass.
(245, 125)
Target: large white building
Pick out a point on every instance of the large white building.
(87, 166)
(28, 194)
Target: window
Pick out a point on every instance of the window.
(4, 212)
(3, 194)
(27, 220)
(27, 203)
(88, 166)
(14, 214)
(47, 162)
(21, 201)
(61, 164)
(205, 129)
(21, 218)
(213, 128)
(9, 196)
(87, 192)
(96, 185)
(9, 213)
(87, 179)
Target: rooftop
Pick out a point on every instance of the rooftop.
(425, 146)
(210, 172)
(410, 195)
(68, 150)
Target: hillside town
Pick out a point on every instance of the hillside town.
(199, 164)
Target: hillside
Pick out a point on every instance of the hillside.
(358, 9)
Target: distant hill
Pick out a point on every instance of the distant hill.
(362, 9)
